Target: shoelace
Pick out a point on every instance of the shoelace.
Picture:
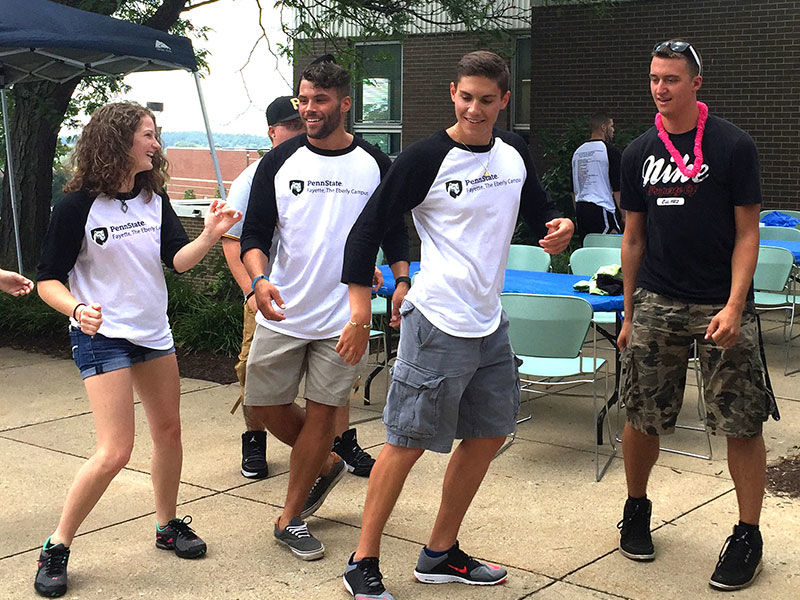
(634, 518)
(734, 549)
(373, 578)
(182, 528)
(56, 563)
(299, 531)
(457, 557)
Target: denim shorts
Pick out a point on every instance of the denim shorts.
(99, 354)
(445, 387)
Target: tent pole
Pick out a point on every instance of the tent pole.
(10, 174)
(214, 158)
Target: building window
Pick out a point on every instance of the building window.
(377, 96)
(522, 85)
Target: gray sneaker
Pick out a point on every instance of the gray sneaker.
(302, 544)
(322, 487)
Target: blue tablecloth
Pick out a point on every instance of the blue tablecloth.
(793, 247)
(529, 282)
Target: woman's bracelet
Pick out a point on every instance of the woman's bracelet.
(363, 325)
(75, 310)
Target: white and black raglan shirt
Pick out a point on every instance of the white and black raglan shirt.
(690, 225)
(595, 173)
(309, 199)
(113, 257)
(465, 221)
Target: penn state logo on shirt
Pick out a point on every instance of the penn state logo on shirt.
(296, 186)
(99, 235)
(454, 188)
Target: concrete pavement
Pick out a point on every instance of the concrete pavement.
(540, 513)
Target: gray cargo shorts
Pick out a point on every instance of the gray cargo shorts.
(446, 387)
(655, 361)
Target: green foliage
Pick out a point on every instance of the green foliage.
(30, 316)
(199, 139)
(189, 194)
(206, 316)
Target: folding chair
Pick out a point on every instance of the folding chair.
(528, 258)
(585, 262)
(602, 240)
(786, 234)
(775, 288)
(547, 334)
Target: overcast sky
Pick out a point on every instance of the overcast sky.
(235, 100)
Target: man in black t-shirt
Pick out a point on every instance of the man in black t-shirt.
(691, 191)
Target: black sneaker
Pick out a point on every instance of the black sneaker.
(358, 461)
(254, 454)
(51, 577)
(178, 536)
(302, 544)
(364, 580)
(321, 488)
(635, 541)
(457, 567)
(739, 560)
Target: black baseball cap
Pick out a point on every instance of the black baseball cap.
(283, 108)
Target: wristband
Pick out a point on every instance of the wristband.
(248, 296)
(75, 310)
(255, 281)
(402, 279)
(363, 325)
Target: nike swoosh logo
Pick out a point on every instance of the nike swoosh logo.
(462, 570)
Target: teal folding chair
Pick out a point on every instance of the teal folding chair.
(602, 240)
(775, 289)
(585, 262)
(547, 334)
(527, 258)
(786, 234)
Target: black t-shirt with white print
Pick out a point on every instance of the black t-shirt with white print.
(690, 225)
(309, 198)
(465, 220)
(110, 251)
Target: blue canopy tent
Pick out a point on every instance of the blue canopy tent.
(44, 41)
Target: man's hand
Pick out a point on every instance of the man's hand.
(624, 336)
(399, 295)
(377, 280)
(725, 326)
(559, 233)
(266, 294)
(353, 343)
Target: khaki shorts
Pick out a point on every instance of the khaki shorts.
(277, 363)
(248, 329)
(655, 361)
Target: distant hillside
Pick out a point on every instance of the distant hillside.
(198, 139)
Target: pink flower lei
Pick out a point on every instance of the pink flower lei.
(698, 143)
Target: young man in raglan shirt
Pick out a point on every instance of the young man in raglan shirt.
(692, 195)
(455, 375)
(284, 123)
(309, 192)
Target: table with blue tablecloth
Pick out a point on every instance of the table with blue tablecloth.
(529, 282)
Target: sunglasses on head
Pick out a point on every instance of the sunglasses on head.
(684, 48)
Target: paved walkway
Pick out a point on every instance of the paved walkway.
(539, 512)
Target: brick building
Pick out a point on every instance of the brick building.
(583, 59)
(192, 169)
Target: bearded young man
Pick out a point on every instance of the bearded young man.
(692, 195)
(308, 192)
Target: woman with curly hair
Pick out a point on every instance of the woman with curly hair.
(107, 239)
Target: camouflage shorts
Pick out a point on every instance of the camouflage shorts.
(654, 369)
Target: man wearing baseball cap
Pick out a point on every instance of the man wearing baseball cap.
(284, 123)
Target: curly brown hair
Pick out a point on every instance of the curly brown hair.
(101, 161)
